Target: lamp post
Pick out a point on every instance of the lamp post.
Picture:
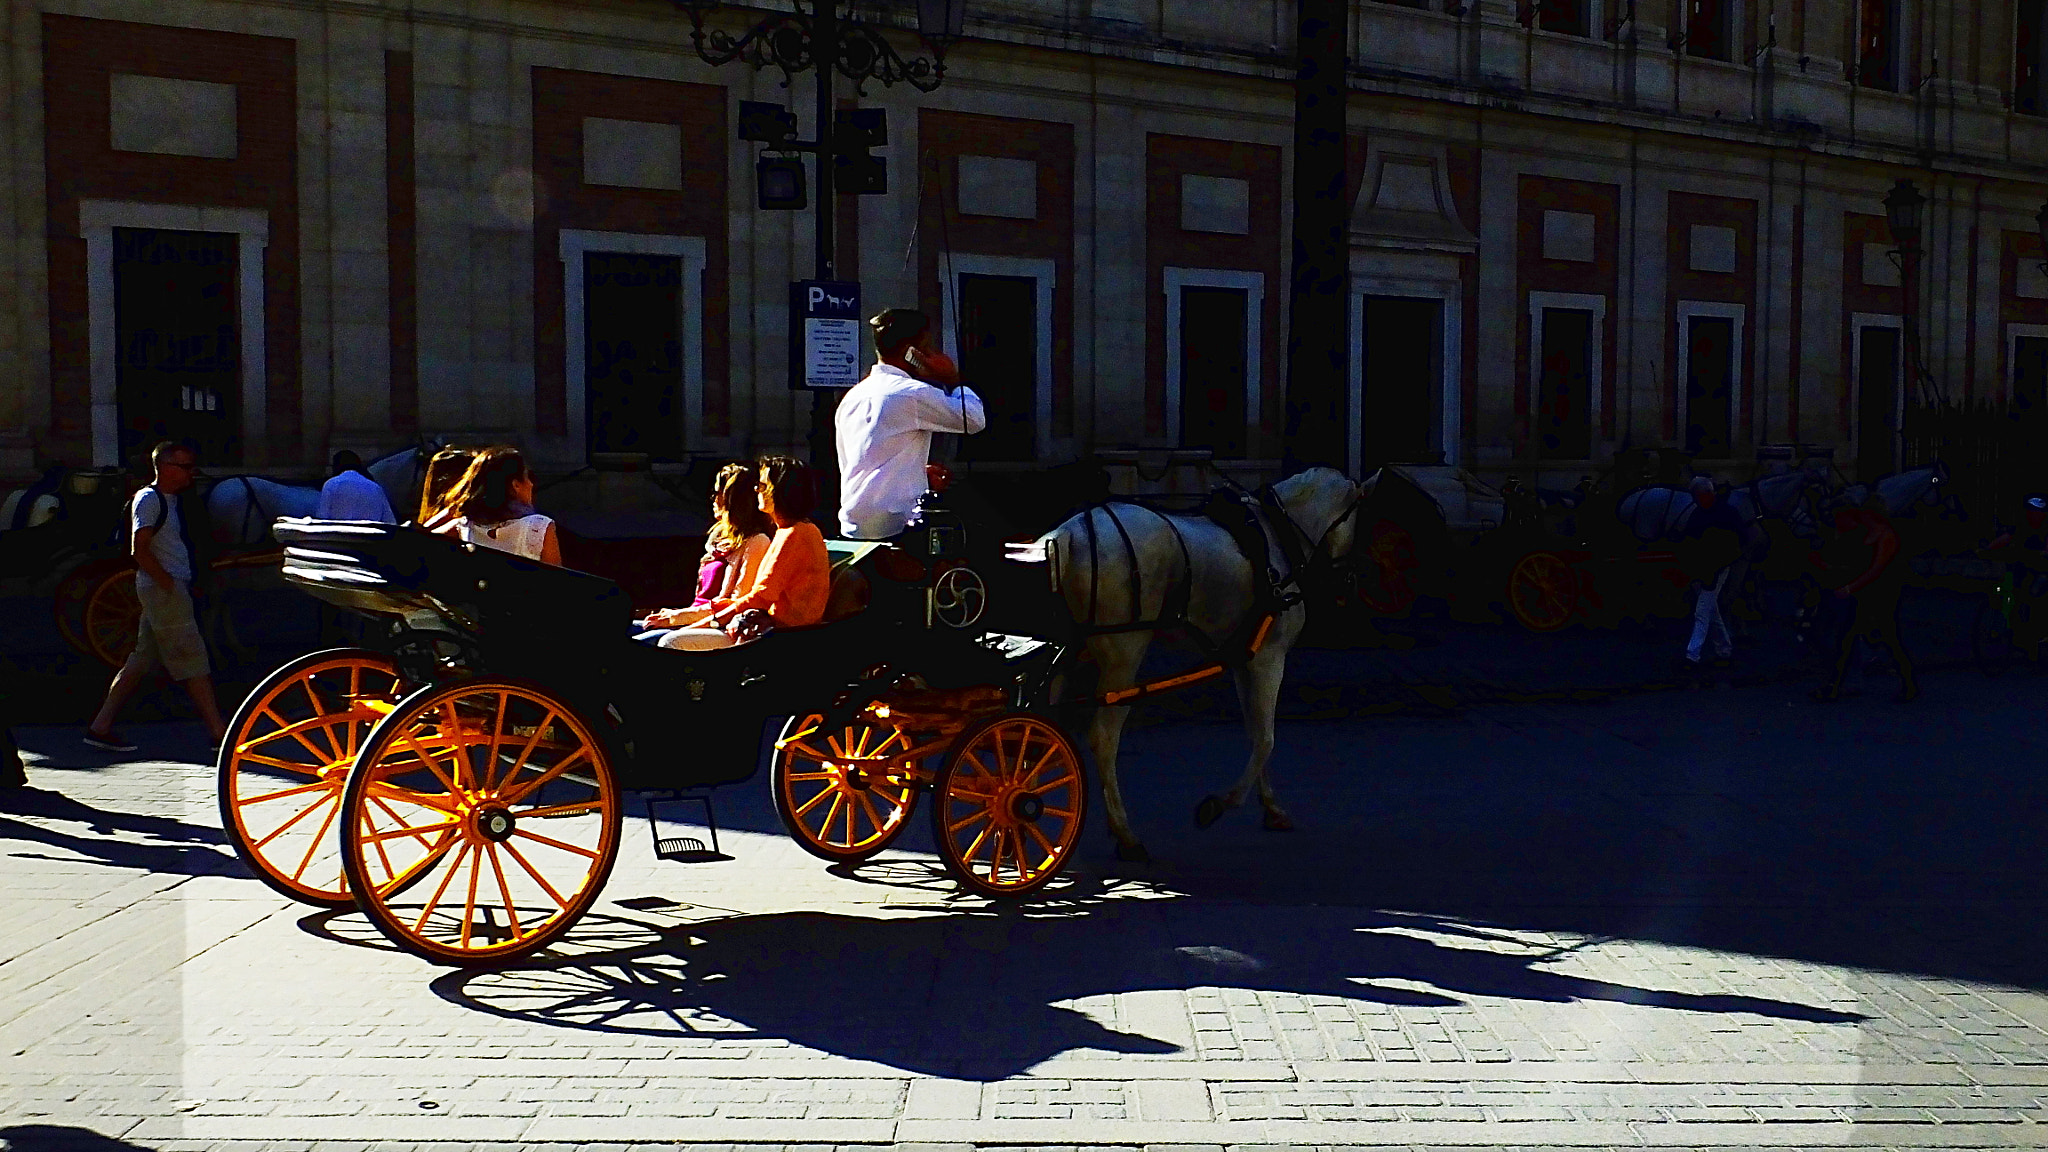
(817, 38)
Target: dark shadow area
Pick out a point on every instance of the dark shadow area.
(978, 996)
(60, 1138)
(178, 848)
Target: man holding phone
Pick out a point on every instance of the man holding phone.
(885, 425)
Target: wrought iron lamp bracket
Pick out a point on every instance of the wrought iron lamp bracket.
(787, 42)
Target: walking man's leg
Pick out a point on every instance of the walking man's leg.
(1703, 617)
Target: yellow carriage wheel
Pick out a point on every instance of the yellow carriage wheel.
(496, 802)
(1007, 808)
(1543, 592)
(74, 592)
(843, 796)
(286, 760)
(112, 613)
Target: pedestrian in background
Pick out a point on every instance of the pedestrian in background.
(1713, 546)
(350, 493)
(168, 632)
(1868, 605)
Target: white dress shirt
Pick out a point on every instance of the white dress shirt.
(885, 427)
(351, 495)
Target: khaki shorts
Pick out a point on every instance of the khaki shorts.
(169, 632)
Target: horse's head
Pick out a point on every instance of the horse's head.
(1323, 504)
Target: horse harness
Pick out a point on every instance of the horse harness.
(1246, 517)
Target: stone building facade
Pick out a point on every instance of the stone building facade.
(288, 226)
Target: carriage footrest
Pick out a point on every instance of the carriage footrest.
(685, 849)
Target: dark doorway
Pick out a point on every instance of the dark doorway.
(999, 360)
(1877, 45)
(1212, 370)
(2030, 377)
(1877, 403)
(1709, 387)
(1401, 374)
(2030, 54)
(1564, 385)
(1566, 16)
(178, 365)
(1706, 29)
(633, 353)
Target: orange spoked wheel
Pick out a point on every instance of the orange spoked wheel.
(495, 802)
(286, 759)
(112, 612)
(74, 592)
(844, 796)
(1543, 592)
(1390, 558)
(1008, 806)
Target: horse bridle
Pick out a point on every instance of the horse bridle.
(1317, 557)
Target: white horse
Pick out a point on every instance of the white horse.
(1119, 565)
(243, 508)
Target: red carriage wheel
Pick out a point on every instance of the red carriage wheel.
(845, 796)
(1543, 592)
(286, 760)
(1390, 555)
(112, 613)
(1008, 806)
(494, 802)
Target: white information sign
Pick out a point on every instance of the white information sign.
(831, 353)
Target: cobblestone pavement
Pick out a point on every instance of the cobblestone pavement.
(1715, 919)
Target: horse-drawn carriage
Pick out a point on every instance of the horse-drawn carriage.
(464, 784)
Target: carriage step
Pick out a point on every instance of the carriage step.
(685, 849)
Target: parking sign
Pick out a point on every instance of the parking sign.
(824, 333)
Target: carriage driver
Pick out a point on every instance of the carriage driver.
(886, 421)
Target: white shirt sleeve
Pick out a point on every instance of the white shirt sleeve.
(960, 412)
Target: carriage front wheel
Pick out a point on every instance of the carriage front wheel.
(1543, 592)
(285, 762)
(497, 801)
(844, 795)
(1008, 806)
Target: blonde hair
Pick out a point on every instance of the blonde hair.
(741, 517)
(444, 472)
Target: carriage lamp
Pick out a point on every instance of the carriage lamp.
(1902, 212)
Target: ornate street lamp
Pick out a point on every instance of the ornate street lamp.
(1902, 211)
(817, 31)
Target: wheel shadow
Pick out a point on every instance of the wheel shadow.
(989, 993)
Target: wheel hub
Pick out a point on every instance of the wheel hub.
(494, 823)
(856, 780)
(1027, 807)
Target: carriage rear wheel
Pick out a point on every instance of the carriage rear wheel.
(74, 592)
(496, 801)
(1390, 556)
(844, 796)
(112, 612)
(286, 760)
(1543, 592)
(1007, 808)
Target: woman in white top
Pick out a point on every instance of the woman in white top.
(492, 507)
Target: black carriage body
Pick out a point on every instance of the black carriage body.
(673, 719)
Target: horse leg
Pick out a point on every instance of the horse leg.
(1258, 693)
(1117, 657)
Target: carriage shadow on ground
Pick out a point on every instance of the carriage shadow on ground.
(989, 985)
(108, 835)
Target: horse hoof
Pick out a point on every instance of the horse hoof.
(1278, 822)
(1132, 853)
(1209, 811)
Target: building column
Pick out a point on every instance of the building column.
(24, 311)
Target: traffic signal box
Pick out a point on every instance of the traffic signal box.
(779, 179)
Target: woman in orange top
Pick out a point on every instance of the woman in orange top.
(795, 577)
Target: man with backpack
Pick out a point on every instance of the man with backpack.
(168, 633)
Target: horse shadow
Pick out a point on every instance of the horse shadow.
(986, 993)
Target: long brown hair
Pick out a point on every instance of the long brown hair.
(484, 494)
(742, 516)
(793, 486)
(444, 472)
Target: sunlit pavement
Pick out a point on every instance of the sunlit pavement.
(1708, 919)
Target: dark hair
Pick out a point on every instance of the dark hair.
(743, 516)
(794, 484)
(347, 461)
(484, 494)
(896, 327)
